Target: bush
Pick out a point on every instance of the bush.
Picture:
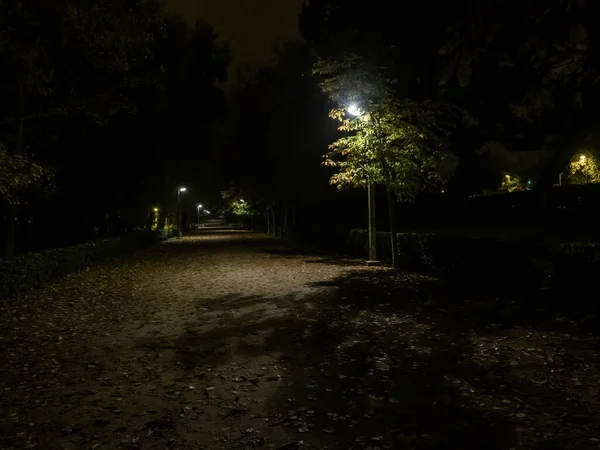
(577, 267)
(33, 270)
(461, 259)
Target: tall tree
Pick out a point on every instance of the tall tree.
(105, 90)
(400, 143)
(545, 51)
(280, 133)
(68, 57)
(385, 63)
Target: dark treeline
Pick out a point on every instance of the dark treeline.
(524, 72)
(108, 107)
(116, 104)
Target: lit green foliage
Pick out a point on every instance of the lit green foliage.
(512, 183)
(18, 173)
(583, 169)
(235, 204)
(401, 144)
(241, 208)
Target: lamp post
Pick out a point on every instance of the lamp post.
(179, 191)
(199, 208)
(155, 219)
(583, 159)
(356, 111)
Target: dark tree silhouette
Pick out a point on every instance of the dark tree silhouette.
(104, 92)
(545, 52)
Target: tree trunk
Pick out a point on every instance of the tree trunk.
(372, 222)
(274, 222)
(393, 226)
(269, 220)
(13, 207)
(284, 227)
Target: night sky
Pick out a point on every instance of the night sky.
(252, 27)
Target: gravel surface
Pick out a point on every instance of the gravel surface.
(230, 340)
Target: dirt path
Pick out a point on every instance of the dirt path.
(230, 341)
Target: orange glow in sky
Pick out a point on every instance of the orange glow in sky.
(252, 27)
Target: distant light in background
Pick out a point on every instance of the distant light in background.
(582, 158)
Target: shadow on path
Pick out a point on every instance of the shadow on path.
(389, 360)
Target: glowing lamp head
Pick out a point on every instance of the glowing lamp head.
(354, 110)
(582, 158)
(182, 189)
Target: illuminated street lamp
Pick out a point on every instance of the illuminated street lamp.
(179, 191)
(354, 110)
(582, 158)
(199, 208)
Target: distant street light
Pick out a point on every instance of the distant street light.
(242, 200)
(155, 209)
(199, 208)
(582, 158)
(179, 191)
(354, 110)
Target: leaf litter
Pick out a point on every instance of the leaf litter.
(372, 359)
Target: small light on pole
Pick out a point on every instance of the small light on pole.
(199, 208)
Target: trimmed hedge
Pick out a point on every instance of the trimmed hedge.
(480, 261)
(32, 270)
(576, 265)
